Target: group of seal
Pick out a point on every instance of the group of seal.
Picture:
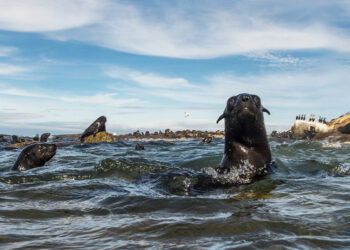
(247, 154)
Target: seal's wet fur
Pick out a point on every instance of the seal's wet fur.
(34, 155)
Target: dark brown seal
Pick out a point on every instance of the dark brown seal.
(247, 153)
(34, 155)
(97, 126)
(139, 147)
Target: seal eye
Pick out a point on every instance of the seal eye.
(230, 103)
(257, 100)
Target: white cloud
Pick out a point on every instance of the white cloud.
(150, 80)
(7, 51)
(47, 15)
(22, 92)
(18, 116)
(200, 29)
(104, 99)
(9, 69)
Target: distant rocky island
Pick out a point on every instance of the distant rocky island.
(333, 131)
(166, 134)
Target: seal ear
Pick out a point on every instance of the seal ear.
(220, 117)
(266, 110)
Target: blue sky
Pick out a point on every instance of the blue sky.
(144, 63)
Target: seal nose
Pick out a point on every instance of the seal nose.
(245, 98)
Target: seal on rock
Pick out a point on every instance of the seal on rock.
(97, 126)
(247, 154)
(345, 129)
(34, 155)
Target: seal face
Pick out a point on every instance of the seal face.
(247, 152)
(34, 155)
(345, 129)
(97, 126)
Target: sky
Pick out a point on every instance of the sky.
(143, 64)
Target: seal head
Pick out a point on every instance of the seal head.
(44, 137)
(97, 126)
(247, 152)
(34, 155)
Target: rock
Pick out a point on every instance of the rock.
(339, 122)
(15, 139)
(99, 137)
(22, 144)
(301, 127)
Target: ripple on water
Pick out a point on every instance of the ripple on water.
(108, 196)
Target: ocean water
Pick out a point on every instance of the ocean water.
(107, 196)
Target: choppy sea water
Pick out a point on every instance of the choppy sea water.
(105, 196)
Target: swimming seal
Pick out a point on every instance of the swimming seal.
(34, 155)
(345, 129)
(247, 154)
(97, 126)
(139, 147)
(43, 137)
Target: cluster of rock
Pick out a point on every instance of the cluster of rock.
(168, 134)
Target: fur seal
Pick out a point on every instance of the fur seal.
(36, 137)
(43, 137)
(207, 139)
(345, 129)
(139, 147)
(97, 126)
(34, 155)
(247, 154)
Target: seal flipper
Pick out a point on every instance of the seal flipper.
(266, 110)
(220, 118)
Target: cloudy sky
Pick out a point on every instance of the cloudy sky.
(144, 63)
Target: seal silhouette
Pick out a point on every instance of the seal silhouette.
(247, 154)
(44, 137)
(34, 155)
(97, 126)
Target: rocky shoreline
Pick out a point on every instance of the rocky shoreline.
(166, 134)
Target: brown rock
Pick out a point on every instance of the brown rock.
(339, 122)
(99, 137)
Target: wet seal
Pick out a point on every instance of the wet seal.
(139, 147)
(44, 137)
(247, 154)
(97, 126)
(35, 155)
